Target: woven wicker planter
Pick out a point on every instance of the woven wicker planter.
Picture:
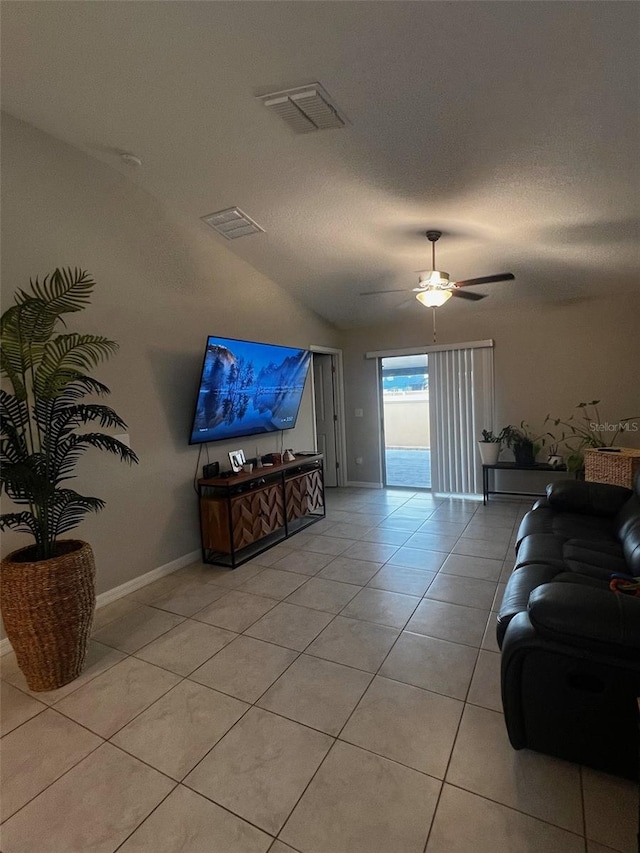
(47, 609)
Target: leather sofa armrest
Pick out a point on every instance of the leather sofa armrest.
(596, 619)
(522, 582)
(586, 498)
(541, 503)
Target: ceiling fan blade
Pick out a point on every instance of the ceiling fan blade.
(486, 279)
(462, 294)
(376, 292)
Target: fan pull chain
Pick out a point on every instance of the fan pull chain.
(434, 325)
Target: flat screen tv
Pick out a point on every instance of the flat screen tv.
(248, 388)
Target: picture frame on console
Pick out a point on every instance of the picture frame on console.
(237, 460)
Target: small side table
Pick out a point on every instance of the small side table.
(513, 466)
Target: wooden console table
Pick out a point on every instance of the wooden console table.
(513, 466)
(245, 514)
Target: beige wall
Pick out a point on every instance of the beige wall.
(406, 419)
(548, 358)
(163, 286)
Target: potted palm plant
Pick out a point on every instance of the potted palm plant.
(48, 592)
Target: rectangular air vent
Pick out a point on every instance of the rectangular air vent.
(305, 108)
(232, 223)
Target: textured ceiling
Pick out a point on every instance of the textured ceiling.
(512, 127)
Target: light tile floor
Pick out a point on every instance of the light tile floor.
(340, 694)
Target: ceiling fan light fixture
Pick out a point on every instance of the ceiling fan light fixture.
(433, 298)
(435, 278)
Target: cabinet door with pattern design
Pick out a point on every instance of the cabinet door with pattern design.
(256, 514)
(304, 495)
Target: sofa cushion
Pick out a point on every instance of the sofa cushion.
(523, 581)
(568, 525)
(543, 548)
(580, 556)
(586, 498)
(582, 580)
(596, 559)
(601, 620)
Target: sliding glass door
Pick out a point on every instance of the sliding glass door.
(405, 418)
(435, 403)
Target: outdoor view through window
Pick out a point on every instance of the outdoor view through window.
(405, 404)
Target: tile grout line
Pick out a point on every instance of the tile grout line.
(518, 811)
(375, 675)
(335, 738)
(265, 710)
(254, 704)
(144, 710)
(61, 776)
(584, 810)
(142, 822)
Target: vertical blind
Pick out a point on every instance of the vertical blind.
(460, 407)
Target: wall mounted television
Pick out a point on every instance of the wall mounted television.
(248, 388)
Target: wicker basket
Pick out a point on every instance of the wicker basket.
(617, 469)
(47, 608)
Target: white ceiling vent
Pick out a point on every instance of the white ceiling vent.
(232, 223)
(305, 108)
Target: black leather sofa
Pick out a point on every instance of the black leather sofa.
(570, 645)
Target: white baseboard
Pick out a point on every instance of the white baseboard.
(142, 580)
(130, 586)
(466, 496)
(358, 485)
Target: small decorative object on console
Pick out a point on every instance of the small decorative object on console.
(237, 460)
(555, 460)
(212, 469)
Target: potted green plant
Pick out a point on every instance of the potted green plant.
(524, 443)
(581, 434)
(490, 447)
(48, 595)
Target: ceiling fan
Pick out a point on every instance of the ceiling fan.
(435, 287)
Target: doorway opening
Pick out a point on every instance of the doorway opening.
(325, 392)
(404, 382)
